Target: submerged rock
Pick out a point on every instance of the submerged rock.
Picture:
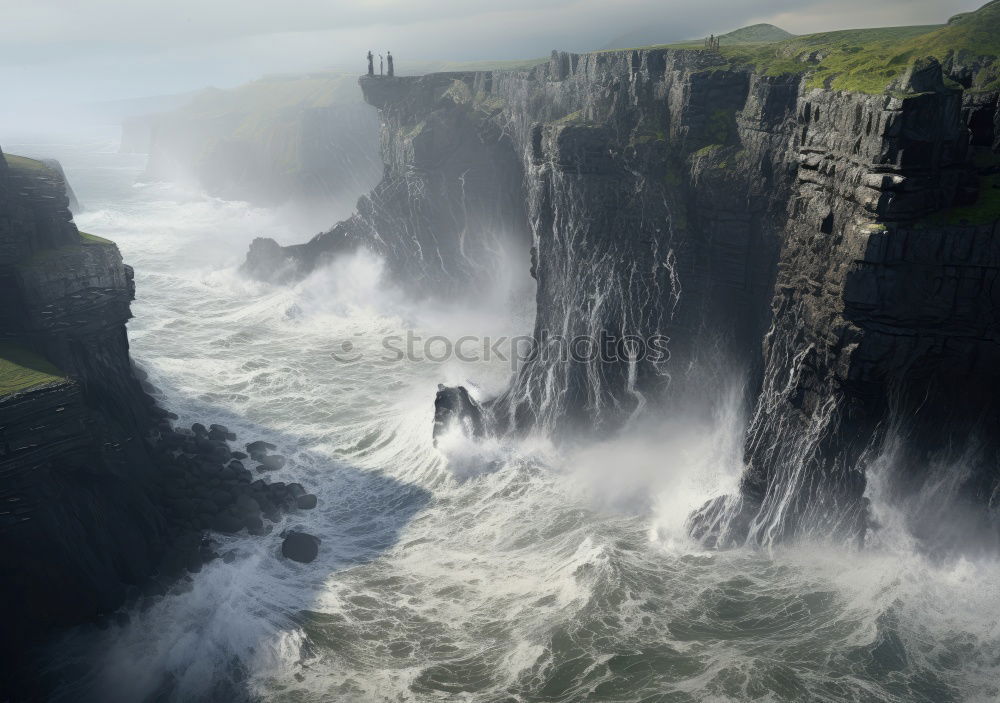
(259, 448)
(272, 462)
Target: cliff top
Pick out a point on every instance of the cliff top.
(23, 163)
(870, 60)
(21, 369)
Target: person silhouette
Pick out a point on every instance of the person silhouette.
(371, 63)
(388, 60)
(381, 70)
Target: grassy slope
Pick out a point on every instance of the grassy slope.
(94, 239)
(23, 163)
(21, 369)
(868, 60)
(754, 34)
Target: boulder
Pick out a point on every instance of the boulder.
(259, 447)
(227, 523)
(299, 546)
(306, 502)
(271, 463)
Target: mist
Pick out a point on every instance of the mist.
(81, 55)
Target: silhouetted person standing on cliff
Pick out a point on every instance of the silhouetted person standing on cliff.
(371, 63)
(381, 65)
(388, 60)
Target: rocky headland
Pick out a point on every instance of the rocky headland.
(819, 211)
(102, 499)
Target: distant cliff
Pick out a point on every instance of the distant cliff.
(280, 138)
(820, 211)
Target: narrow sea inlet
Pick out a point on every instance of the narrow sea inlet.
(491, 571)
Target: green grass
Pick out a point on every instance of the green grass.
(23, 163)
(21, 369)
(94, 239)
(869, 60)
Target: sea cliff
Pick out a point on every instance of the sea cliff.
(824, 224)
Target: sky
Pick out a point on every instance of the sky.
(64, 52)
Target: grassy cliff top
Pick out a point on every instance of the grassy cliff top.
(21, 369)
(88, 238)
(23, 163)
(869, 60)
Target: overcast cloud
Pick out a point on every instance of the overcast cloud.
(69, 51)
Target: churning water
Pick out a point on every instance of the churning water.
(499, 572)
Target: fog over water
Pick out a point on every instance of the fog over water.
(502, 571)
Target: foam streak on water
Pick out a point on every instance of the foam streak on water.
(520, 573)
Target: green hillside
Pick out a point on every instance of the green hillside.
(868, 60)
(754, 34)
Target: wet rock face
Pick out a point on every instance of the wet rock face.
(784, 228)
(455, 409)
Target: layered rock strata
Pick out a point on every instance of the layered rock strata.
(837, 246)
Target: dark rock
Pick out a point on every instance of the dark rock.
(272, 462)
(299, 546)
(227, 523)
(306, 502)
(455, 408)
(260, 447)
(239, 455)
(246, 505)
(199, 430)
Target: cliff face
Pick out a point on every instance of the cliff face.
(839, 246)
(78, 524)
